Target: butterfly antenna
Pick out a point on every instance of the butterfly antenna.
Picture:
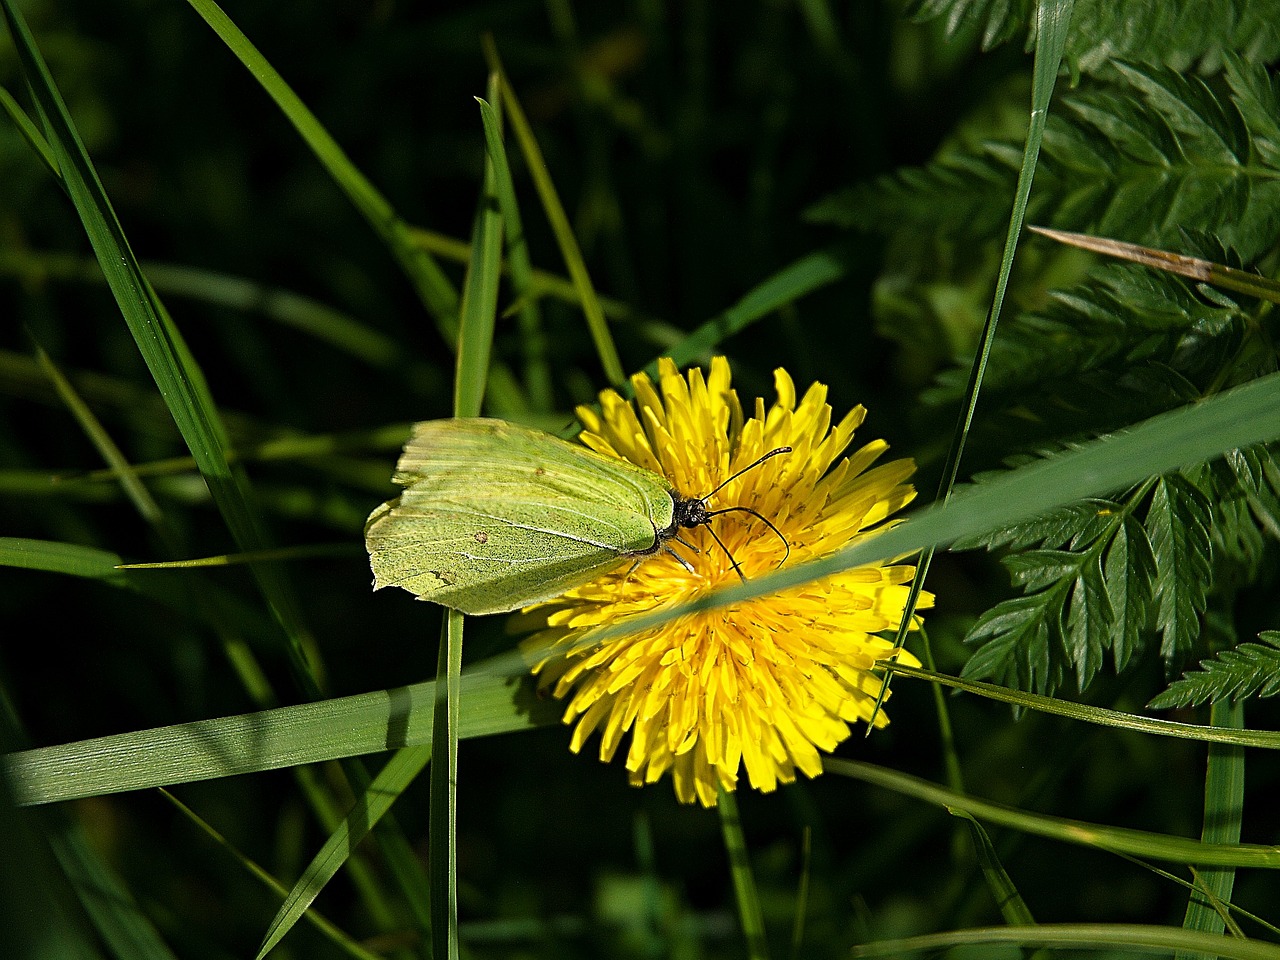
(752, 466)
(763, 519)
(732, 560)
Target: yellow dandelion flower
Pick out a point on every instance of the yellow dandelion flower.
(767, 684)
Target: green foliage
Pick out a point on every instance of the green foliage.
(1201, 33)
(1137, 154)
(1095, 576)
(1101, 578)
(1250, 670)
(1148, 154)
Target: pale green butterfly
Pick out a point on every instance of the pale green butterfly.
(495, 516)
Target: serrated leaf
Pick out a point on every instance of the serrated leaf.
(1257, 97)
(1250, 670)
(1037, 569)
(1181, 35)
(1178, 526)
(1089, 618)
(1236, 534)
(1018, 635)
(1193, 109)
(1257, 474)
(995, 20)
(1136, 156)
(1063, 526)
(1129, 570)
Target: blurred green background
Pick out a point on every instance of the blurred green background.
(686, 141)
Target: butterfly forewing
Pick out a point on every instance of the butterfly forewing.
(496, 516)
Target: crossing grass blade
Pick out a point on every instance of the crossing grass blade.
(1004, 893)
(181, 383)
(272, 739)
(401, 770)
(1235, 418)
(178, 377)
(811, 272)
(1110, 938)
(289, 309)
(1053, 17)
(339, 939)
(1223, 810)
(120, 468)
(1214, 733)
(1138, 843)
(29, 132)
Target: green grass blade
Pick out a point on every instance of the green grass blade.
(120, 468)
(1138, 843)
(744, 883)
(444, 790)
(38, 912)
(794, 281)
(113, 911)
(176, 593)
(811, 272)
(559, 221)
(542, 283)
(480, 289)
(29, 132)
(336, 936)
(1003, 891)
(158, 340)
(49, 863)
(433, 287)
(310, 550)
(1223, 809)
(68, 558)
(516, 246)
(1053, 17)
(802, 892)
(391, 781)
(268, 739)
(290, 309)
(1107, 937)
(1023, 700)
(475, 341)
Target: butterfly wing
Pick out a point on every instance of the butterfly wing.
(495, 516)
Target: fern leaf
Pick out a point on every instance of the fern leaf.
(1014, 640)
(1129, 573)
(1181, 35)
(1250, 670)
(1089, 618)
(1257, 97)
(1178, 525)
(1039, 569)
(1257, 476)
(1136, 155)
(1074, 523)
(957, 192)
(1064, 621)
(1192, 109)
(996, 20)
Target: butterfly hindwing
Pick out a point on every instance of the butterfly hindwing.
(495, 516)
